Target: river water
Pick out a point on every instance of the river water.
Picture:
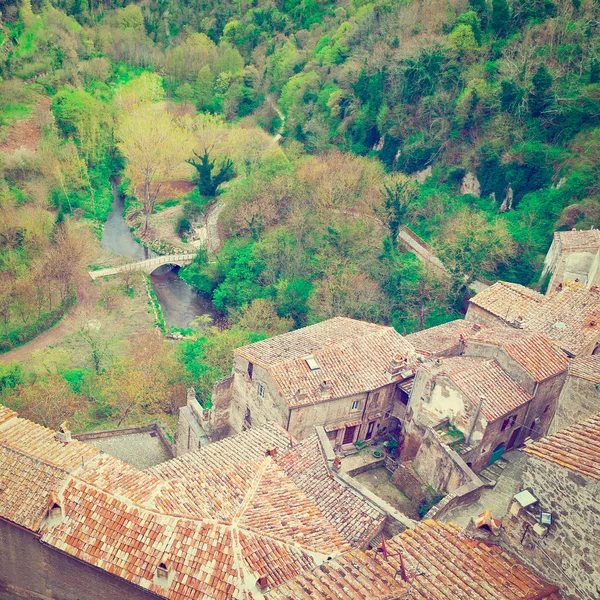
(180, 302)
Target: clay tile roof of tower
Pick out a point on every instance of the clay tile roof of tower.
(510, 302)
(216, 529)
(351, 356)
(33, 465)
(351, 515)
(533, 351)
(443, 338)
(586, 367)
(477, 377)
(576, 448)
(442, 562)
(576, 239)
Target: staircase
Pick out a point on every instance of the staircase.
(493, 472)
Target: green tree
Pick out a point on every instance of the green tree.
(539, 98)
(204, 89)
(209, 182)
(500, 17)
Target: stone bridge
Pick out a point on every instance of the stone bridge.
(147, 266)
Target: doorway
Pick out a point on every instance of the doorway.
(513, 438)
(349, 435)
(497, 453)
(370, 430)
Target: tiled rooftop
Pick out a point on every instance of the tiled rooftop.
(510, 302)
(351, 356)
(575, 240)
(443, 339)
(349, 513)
(477, 377)
(217, 527)
(33, 465)
(533, 351)
(586, 367)
(576, 448)
(442, 562)
(569, 317)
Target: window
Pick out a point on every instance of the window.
(250, 370)
(356, 405)
(261, 391)
(509, 422)
(313, 365)
(547, 408)
(375, 397)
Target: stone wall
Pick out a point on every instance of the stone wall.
(440, 467)
(569, 553)
(405, 479)
(224, 418)
(476, 314)
(578, 400)
(31, 570)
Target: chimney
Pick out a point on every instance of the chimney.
(325, 389)
(63, 434)
(54, 507)
(337, 464)
(271, 452)
(398, 365)
(262, 583)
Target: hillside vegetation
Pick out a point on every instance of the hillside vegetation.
(317, 129)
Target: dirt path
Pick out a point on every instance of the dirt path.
(67, 325)
(27, 132)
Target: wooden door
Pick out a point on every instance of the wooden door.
(513, 438)
(349, 435)
(370, 430)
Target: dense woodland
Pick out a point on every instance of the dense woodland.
(383, 108)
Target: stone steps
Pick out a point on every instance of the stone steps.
(493, 472)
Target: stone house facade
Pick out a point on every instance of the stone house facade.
(580, 395)
(476, 398)
(563, 476)
(573, 256)
(342, 374)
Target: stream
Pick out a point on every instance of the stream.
(180, 302)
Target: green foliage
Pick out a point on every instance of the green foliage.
(209, 182)
(500, 20)
(11, 375)
(539, 98)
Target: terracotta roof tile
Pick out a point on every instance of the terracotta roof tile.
(200, 471)
(570, 317)
(510, 302)
(351, 356)
(442, 562)
(33, 464)
(586, 367)
(349, 513)
(216, 527)
(533, 351)
(444, 338)
(6, 414)
(575, 240)
(477, 377)
(576, 448)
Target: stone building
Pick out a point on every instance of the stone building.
(580, 395)
(569, 317)
(496, 385)
(341, 374)
(554, 524)
(573, 256)
(229, 521)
